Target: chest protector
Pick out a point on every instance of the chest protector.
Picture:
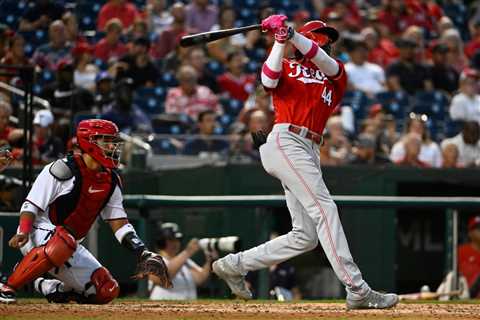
(78, 209)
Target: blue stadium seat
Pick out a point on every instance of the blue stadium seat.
(149, 100)
(163, 146)
(432, 103)
(168, 80)
(452, 128)
(395, 103)
(458, 12)
(215, 67)
(231, 106)
(358, 101)
(34, 39)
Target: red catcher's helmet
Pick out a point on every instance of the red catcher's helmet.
(99, 138)
(319, 32)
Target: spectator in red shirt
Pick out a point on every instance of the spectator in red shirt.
(235, 83)
(15, 55)
(189, 97)
(349, 12)
(110, 46)
(169, 39)
(395, 16)
(412, 143)
(382, 51)
(8, 134)
(473, 45)
(469, 257)
(121, 9)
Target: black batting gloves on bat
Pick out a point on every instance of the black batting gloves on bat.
(259, 138)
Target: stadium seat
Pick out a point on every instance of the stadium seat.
(171, 123)
(432, 103)
(215, 67)
(394, 103)
(231, 107)
(452, 128)
(457, 11)
(168, 80)
(358, 101)
(163, 146)
(150, 100)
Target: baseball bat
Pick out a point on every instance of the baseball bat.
(428, 295)
(209, 36)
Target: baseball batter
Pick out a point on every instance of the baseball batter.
(305, 91)
(65, 200)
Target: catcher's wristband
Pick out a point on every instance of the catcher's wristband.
(25, 225)
(128, 238)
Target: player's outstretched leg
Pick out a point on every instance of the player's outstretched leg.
(234, 280)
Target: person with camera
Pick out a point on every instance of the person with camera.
(185, 274)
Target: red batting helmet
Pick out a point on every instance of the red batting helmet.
(316, 30)
(99, 138)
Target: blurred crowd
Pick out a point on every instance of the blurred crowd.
(413, 68)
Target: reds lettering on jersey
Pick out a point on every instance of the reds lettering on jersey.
(78, 209)
(305, 96)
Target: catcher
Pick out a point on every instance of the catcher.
(62, 205)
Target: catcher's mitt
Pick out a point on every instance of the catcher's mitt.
(152, 264)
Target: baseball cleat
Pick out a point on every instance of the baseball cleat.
(234, 280)
(373, 300)
(7, 294)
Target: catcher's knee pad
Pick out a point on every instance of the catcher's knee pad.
(107, 288)
(39, 260)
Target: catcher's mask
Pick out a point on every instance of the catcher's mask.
(99, 138)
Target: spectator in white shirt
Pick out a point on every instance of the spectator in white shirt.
(362, 75)
(468, 144)
(430, 153)
(466, 104)
(186, 275)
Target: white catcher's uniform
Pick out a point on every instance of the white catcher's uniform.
(75, 274)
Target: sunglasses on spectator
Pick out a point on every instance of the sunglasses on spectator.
(418, 116)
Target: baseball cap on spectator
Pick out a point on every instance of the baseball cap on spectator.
(473, 223)
(104, 75)
(82, 48)
(43, 118)
(374, 110)
(64, 64)
(469, 73)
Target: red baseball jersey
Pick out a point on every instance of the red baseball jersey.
(469, 263)
(305, 96)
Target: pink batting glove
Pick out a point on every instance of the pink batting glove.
(283, 34)
(274, 22)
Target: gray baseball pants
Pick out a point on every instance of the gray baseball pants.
(295, 161)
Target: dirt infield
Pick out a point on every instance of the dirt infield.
(224, 309)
